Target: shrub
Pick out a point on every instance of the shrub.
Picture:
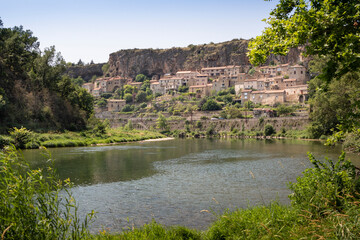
(269, 130)
(35, 204)
(210, 105)
(204, 118)
(21, 136)
(128, 108)
(129, 125)
(4, 141)
(327, 186)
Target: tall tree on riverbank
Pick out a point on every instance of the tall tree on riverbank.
(330, 32)
(33, 91)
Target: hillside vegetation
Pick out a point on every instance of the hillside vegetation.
(33, 90)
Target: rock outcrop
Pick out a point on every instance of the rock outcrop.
(129, 63)
(85, 72)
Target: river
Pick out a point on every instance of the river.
(174, 181)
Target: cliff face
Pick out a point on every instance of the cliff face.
(129, 63)
(85, 72)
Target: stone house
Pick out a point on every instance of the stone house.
(187, 74)
(88, 86)
(96, 92)
(220, 84)
(245, 95)
(200, 90)
(250, 83)
(267, 97)
(115, 105)
(299, 73)
(200, 79)
(213, 71)
(297, 94)
(156, 88)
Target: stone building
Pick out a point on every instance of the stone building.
(115, 105)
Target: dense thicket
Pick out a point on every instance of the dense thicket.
(33, 90)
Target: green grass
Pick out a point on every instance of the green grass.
(86, 138)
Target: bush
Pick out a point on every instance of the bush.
(352, 141)
(269, 130)
(21, 136)
(35, 204)
(5, 141)
(128, 108)
(210, 105)
(327, 186)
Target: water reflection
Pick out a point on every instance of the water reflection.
(173, 181)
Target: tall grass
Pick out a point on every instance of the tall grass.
(35, 204)
(23, 138)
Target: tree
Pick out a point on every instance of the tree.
(210, 105)
(128, 97)
(162, 123)
(80, 63)
(325, 28)
(140, 97)
(105, 68)
(140, 78)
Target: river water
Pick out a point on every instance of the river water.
(173, 181)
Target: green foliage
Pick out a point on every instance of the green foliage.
(251, 71)
(269, 130)
(128, 108)
(249, 105)
(284, 110)
(78, 81)
(228, 98)
(162, 123)
(337, 105)
(102, 103)
(210, 131)
(101, 127)
(128, 97)
(352, 141)
(106, 95)
(274, 221)
(199, 124)
(35, 204)
(183, 89)
(105, 68)
(21, 136)
(325, 27)
(210, 105)
(231, 112)
(140, 97)
(129, 89)
(328, 186)
(129, 125)
(140, 78)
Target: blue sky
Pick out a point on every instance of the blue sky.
(91, 30)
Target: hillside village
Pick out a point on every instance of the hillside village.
(267, 85)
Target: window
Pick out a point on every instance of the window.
(302, 72)
(294, 72)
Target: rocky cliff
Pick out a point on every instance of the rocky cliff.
(129, 63)
(86, 72)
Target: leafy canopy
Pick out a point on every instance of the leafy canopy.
(328, 27)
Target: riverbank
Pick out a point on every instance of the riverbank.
(26, 139)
